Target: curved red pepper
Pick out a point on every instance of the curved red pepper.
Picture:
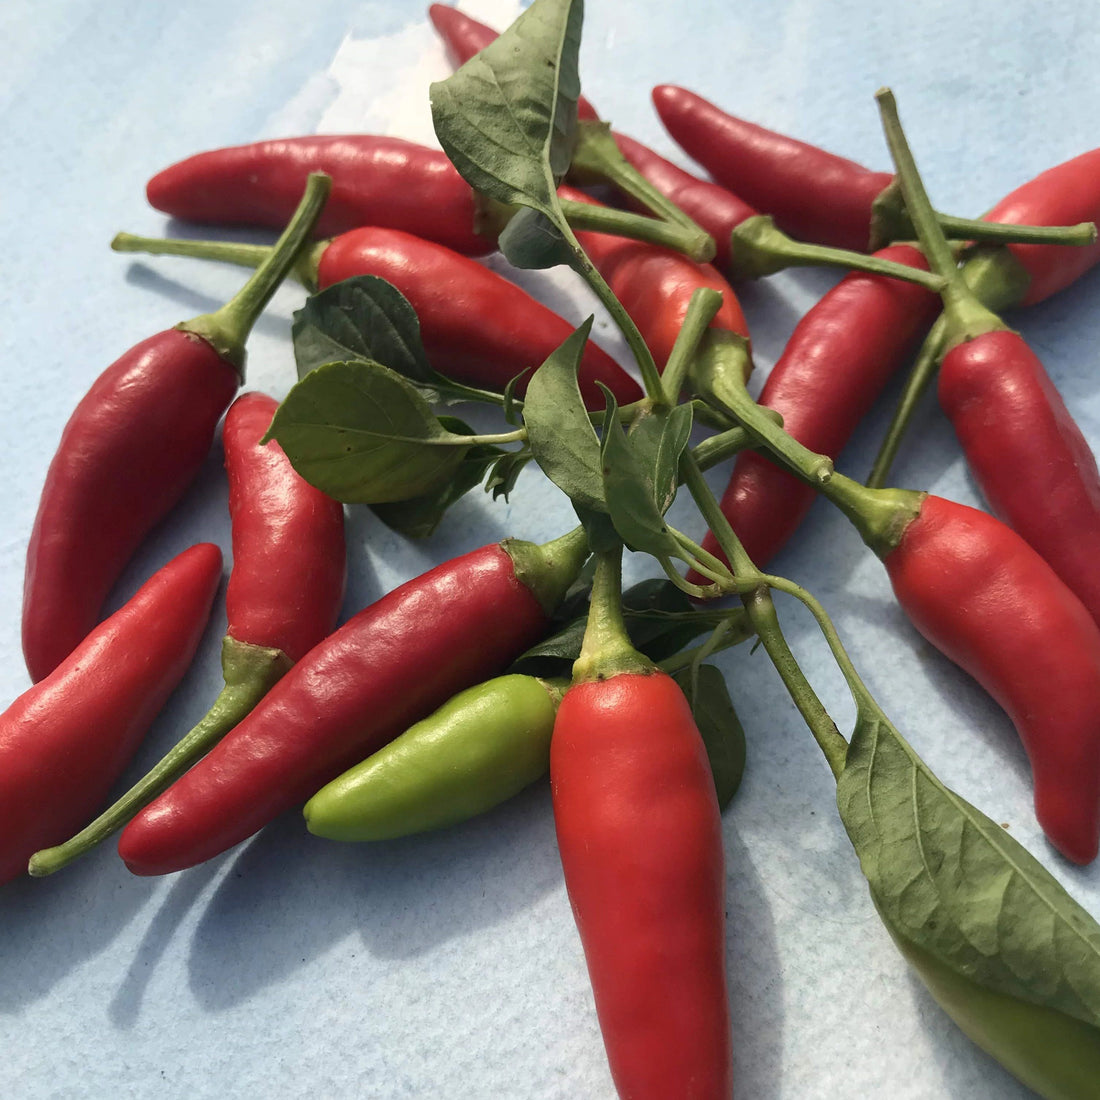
(836, 363)
(129, 451)
(289, 558)
(813, 195)
(464, 36)
(477, 327)
(376, 180)
(1063, 195)
(67, 739)
(985, 599)
(1027, 454)
(641, 847)
(655, 285)
(387, 667)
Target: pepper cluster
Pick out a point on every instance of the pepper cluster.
(465, 685)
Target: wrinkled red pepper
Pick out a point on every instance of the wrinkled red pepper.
(67, 739)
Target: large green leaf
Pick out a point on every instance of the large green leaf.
(508, 118)
(558, 428)
(954, 884)
(363, 434)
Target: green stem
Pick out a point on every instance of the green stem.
(695, 591)
(964, 315)
(737, 630)
(762, 617)
(651, 376)
(920, 378)
(702, 309)
(717, 448)
(227, 329)
(890, 221)
(597, 158)
(692, 242)
(549, 569)
(250, 672)
(758, 248)
(606, 650)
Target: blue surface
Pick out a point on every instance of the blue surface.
(448, 965)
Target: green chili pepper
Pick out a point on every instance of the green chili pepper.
(480, 748)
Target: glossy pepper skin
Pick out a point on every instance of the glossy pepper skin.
(1063, 195)
(67, 739)
(655, 285)
(641, 847)
(289, 557)
(477, 327)
(387, 667)
(464, 36)
(812, 194)
(989, 602)
(130, 449)
(1027, 454)
(836, 363)
(376, 180)
(481, 747)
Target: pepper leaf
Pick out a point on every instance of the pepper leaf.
(363, 434)
(558, 429)
(630, 494)
(363, 317)
(658, 440)
(507, 119)
(948, 880)
(532, 241)
(721, 729)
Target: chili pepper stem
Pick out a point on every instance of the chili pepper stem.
(702, 308)
(920, 377)
(228, 328)
(250, 671)
(692, 242)
(304, 269)
(606, 650)
(548, 570)
(964, 315)
(759, 248)
(890, 221)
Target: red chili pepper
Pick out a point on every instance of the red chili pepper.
(464, 37)
(1063, 195)
(641, 847)
(289, 558)
(836, 363)
(67, 739)
(377, 180)
(655, 285)
(989, 602)
(1027, 454)
(131, 448)
(477, 327)
(813, 195)
(387, 667)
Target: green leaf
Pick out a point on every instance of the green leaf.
(558, 429)
(630, 494)
(598, 529)
(658, 440)
(363, 434)
(364, 317)
(532, 241)
(954, 884)
(721, 729)
(507, 118)
(505, 472)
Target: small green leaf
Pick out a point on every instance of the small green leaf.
(954, 884)
(532, 241)
(658, 440)
(363, 434)
(598, 529)
(505, 472)
(558, 429)
(364, 317)
(721, 729)
(507, 118)
(629, 494)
